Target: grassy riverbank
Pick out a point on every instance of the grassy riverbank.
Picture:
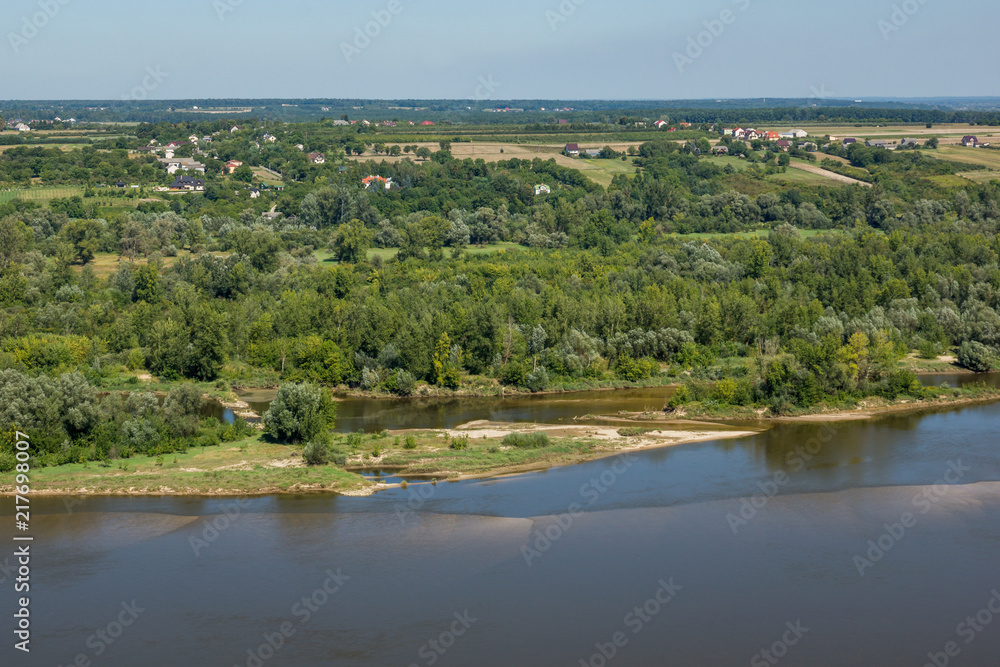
(254, 466)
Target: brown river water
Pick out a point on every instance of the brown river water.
(853, 543)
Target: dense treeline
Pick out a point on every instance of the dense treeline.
(592, 286)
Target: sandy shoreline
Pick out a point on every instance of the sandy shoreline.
(656, 434)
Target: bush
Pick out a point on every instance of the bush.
(976, 357)
(460, 443)
(681, 397)
(535, 440)
(633, 431)
(316, 453)
(410, 442)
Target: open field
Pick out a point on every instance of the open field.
(600, 171)
(262, 175)
(980, 176)
(106, 264)
(895, 131)
(800, 172)
(815, 169)
(46, 194)
(981, 156)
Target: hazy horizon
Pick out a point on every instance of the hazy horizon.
(569, 50)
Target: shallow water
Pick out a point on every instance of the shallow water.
(815, 495)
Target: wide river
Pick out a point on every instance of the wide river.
(853, 543)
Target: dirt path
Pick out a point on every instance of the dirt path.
(813, 169)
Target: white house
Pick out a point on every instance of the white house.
(794, 134)
(542, 190)
(21, 127)
(728, 132)
(660, 124)
(317, 158)
(254, 193)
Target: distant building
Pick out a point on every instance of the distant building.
(784, 145)
(427, 122)
(848, 141)
(254, 193)
(232, 166)
(721, 150)
(21, 127)
(189, 184)
(794, 134)
(909, 142)
(572, 149)
(368, 180)
(970, 140)
(660, 124)
(877, 143)
(771, 136)
(317, 158)
(176, 164)
(542, 190)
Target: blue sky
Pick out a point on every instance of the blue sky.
(552, 49)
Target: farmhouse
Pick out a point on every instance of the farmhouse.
(368, 180)
(848, 141)
(572, 149)
(794, 134)
(784, 145)
(317, 158)
(770, 136)
(182, 163)
(189, 184)
(21, 127)
(877, 143)
(909, 142)
(970, 140)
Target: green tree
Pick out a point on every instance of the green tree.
(14, 238)
(352, 242)
(84, 235)
(299, 413)
(243, 174)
